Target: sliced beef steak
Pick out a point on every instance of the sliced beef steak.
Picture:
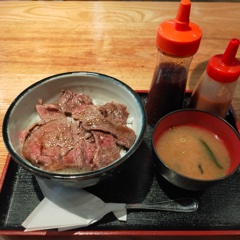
(107, 150)
(115, 112)
(124, 135)
(93, 119)
(76, 134)
(86, 113)
(48, 143)
(49, 111)
(69, 100)
(60, 144)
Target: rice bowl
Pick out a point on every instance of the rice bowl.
(101, 89)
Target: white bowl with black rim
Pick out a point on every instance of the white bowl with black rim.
(102, 89)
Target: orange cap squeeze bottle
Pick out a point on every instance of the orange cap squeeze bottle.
(177, 41)
(179, 37)
(215, 89)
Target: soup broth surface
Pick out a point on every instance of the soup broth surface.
(193, 152)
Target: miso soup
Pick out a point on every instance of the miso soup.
(193, 152)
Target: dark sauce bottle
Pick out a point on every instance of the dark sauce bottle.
(167, 91)
(177, 41)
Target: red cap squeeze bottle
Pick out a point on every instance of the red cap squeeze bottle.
(177, 41)
(179, 37)
(215, 89)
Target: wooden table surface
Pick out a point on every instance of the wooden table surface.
(42, 38)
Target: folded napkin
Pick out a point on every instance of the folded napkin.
(67, 208)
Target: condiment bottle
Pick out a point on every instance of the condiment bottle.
(177, 41)
(215, 89)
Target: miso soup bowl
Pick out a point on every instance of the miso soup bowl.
(204, 120)
(102, 89)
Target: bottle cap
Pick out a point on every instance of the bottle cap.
(179, 37)
(225, 67)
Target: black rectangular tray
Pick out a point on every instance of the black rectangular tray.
(219, 206)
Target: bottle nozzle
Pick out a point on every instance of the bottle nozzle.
(229, 55)
(182, 18)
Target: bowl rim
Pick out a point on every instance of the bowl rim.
(182, 175)
(87, 175)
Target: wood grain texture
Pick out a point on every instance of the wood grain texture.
(42, 38)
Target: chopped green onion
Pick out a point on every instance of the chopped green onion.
(211, 154)
(200, 168)
(182, 140)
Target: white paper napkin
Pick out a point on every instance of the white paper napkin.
(67, 208)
